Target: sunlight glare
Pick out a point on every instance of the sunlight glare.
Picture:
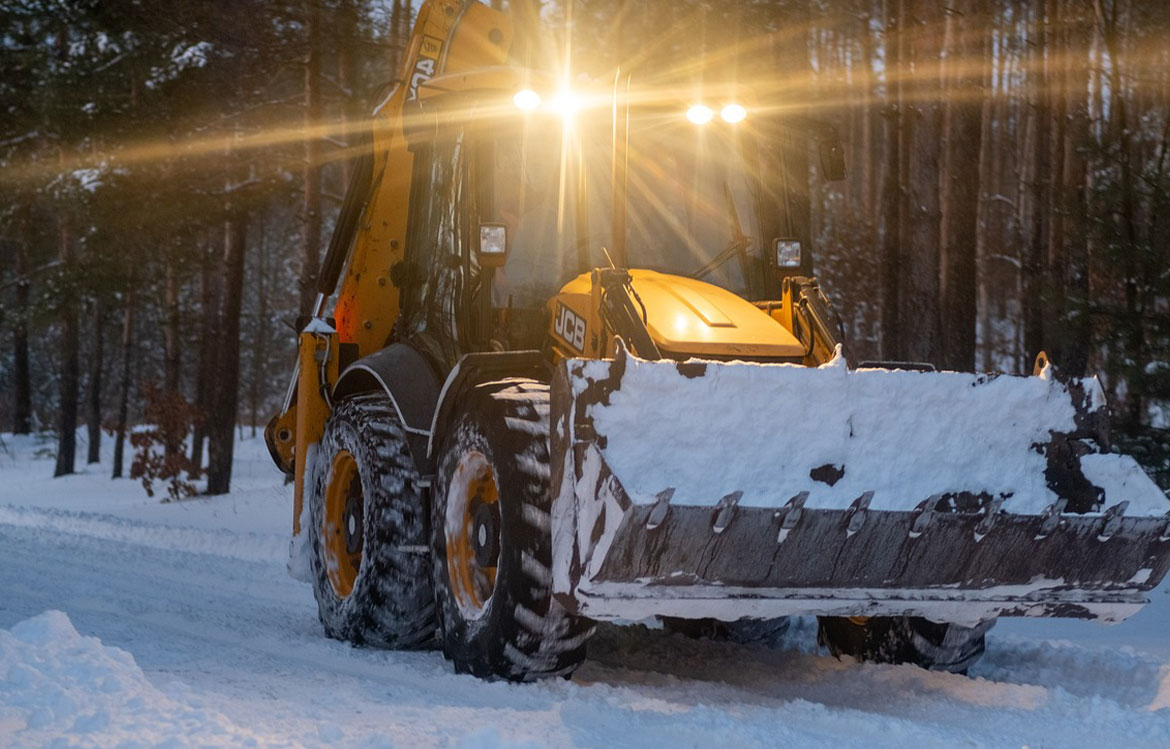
(699, 114)
(733, 113)
(526, 99)
(566, 103)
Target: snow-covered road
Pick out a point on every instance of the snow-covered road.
(226, 649)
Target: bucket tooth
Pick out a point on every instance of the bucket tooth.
(791, 515)
(988, 522)
(660, 509)
(1050, 518)
(925, 515)
(858, 510)
(725, 511)
(1112, 520)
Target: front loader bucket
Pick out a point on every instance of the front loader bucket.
(730, 490)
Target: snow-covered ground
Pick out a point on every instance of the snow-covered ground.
(127, 621)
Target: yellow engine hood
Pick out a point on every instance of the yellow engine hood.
(686, 316)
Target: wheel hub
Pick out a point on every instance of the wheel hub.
(485, 534)
(353, 523)
(472, 531)
(342, 531)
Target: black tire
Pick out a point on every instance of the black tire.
(391, 603)
(743, 631)
(517, 631)
(931, 645)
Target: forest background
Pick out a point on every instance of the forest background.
(170, 172)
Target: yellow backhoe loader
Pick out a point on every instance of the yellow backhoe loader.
(578, 370)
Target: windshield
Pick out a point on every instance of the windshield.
(691, 208)
(692, 203)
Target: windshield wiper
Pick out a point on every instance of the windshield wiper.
(738, 245)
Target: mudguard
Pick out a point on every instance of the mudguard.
(411, 384)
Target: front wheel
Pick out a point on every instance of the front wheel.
(905, 639)
(492, 549)
(367, 532)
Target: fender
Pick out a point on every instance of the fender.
(475, 369)
(410, 382)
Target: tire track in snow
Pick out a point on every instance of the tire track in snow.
(246, 640)
(248, 546)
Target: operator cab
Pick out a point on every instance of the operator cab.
(565, 184)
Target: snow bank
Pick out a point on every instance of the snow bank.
(761, 429)
(246, 643)
(59, 687)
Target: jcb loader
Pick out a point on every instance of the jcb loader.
(578, 370)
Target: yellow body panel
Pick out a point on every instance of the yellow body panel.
(577, 296)
(317, 360)
(785, 312)
(449, 37)
(684, 316)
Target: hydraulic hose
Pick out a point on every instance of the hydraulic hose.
(356, 197)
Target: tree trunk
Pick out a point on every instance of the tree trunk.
(870, 124)
(172, 343)
(209, 302)
(221, 431)
(1068, 247)
(919, 312)
(399, 33)
(962, 129)
(1055, 308)
(260, 341)
(172, 359)
(1133, 333)
(311, 206)
(1075, 357)
(93, 403)
(1039, 178)
(70, 375)
(986, 168)
(124, 385)
(891, 255)
(347, 78)
(22, 383)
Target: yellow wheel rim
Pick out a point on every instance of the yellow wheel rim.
(472, 497)
(342, 529)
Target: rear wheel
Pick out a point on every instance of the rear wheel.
(905, 639)
(490, 532)
(367, 531)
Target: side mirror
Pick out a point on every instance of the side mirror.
(832, 155)
(492, 251)
(789, 253)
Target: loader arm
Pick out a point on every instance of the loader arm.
(807, 313)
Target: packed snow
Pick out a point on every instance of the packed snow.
(904, 435)
(129, 621)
